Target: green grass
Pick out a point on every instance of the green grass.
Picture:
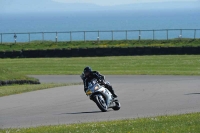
(187, 123)
(17, 89)
(122, 65)
(93, 44)
(7, 74)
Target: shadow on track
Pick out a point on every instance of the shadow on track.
(92, 112)
(193, 94)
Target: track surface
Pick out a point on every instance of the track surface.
(140, 96)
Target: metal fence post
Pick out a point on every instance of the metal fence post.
(56, 37)
(180, 36)
(112, 36)
(167, 35)
(43, 36)
(29, 37)
(195, 34)
(70, 36)
(153, 34)
(1, 38)
(139, 34)
(15, 37)
(126, 35)
(126, 32)
(84, 37)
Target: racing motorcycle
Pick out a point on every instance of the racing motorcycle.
(102, 96)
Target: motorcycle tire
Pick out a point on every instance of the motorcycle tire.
(101, 103)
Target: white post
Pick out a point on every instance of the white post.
(180, 36)
(15, 37)
(139, 35)
(56, 37)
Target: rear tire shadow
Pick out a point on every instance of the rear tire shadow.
(92, 112)
(193, 94)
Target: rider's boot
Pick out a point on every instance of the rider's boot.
(114, 95)
(109, 87)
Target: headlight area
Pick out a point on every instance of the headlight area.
(97, 88)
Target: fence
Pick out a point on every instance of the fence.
(161, 34)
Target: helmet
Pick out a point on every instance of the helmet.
(87, 71)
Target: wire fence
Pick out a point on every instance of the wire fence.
(111, 35)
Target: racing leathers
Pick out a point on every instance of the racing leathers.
(100, 78)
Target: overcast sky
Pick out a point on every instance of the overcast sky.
(119, 2)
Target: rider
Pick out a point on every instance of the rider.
(88, 75)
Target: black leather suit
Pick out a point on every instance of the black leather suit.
(98, 76)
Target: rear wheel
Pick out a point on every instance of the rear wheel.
(101, 103)
(117, 107)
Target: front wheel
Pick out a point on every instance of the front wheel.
(100, 101)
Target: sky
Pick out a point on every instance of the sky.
(24, 6)
(118, 2)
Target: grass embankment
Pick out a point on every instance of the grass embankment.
(8, 77)
(188, 123)
(123, 65)
(14, 78)
(17, 89)
(7, 74)
(104, 44)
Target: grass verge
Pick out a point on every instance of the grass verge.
(17, 89)
(122, 65)
(187, 123)
(7, 74)
(43, 45)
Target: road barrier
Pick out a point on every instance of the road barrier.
(94, 52)
(20, 82)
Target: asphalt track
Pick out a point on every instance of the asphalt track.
(140, 96)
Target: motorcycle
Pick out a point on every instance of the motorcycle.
(102, 96)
